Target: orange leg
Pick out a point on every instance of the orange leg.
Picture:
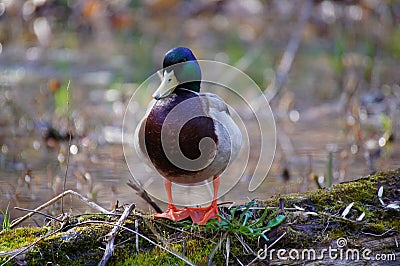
(172, 212)
(202, 215)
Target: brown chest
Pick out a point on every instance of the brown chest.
(179, 136)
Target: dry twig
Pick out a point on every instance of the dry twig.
(181, 257)
(14, 253)
(111, 236)
(69, 147)
(143, 194)
(55, 199)
(270, 246)
(39, 212)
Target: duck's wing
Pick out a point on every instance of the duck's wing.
(227, 131)
(139, 136)
(215, 102)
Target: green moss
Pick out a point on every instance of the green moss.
(333, 199)
(329, 204)
(154, 257)
(197, 251)
(320, 224)
(76, 246)
(19, 237)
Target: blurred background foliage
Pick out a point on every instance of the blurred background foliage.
(338, 110)
(136, 34)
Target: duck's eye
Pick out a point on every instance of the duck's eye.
(169, 80)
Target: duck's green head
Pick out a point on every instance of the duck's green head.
(180, 70)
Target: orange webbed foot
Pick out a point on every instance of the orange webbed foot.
(201, 216)
(173, 213)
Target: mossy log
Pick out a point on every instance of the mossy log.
(354, 223)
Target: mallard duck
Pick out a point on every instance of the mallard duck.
(188, 136)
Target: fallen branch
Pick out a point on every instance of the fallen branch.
(39, 212)
(55, 199)
(16, 252)
(111, 236)
(314, 220)
(183, 258)
(143, 194)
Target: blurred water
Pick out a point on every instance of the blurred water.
(342, 95)
(32, 168)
